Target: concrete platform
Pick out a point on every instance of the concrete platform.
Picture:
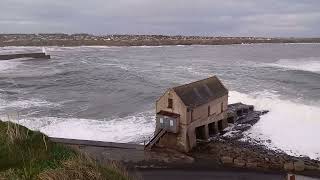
(98, 143)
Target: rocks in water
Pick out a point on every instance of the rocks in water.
(235, 135)
(243, 117)
(251, 118)
(242, 127)
(244, 114)
(231, 149)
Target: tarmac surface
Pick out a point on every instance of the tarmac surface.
(167, 174)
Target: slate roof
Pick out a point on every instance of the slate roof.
(201, 92)
(170, 114)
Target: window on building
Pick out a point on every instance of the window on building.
(161, 120)
(222, 107)
(208, 110)
(170, 103)
(171, 123)
(161, 123)
(191, 115)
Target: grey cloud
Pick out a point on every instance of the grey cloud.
(189, 17)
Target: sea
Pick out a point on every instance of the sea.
(108, 93)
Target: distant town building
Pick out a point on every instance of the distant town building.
(190, 112)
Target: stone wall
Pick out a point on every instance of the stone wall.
(245, 155)
(201, 112)
(178, 106)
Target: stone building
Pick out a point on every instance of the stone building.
(189, 112)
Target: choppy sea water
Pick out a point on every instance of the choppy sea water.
(108, 93)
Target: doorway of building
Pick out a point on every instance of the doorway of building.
(212, 128)
(200, 132)
(220, 126)
(230, 119)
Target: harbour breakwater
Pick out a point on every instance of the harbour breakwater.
(25, 55)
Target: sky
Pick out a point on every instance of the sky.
(268, 18)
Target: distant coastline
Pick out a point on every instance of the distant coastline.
(135, 40)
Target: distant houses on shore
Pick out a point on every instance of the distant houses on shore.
(61, 39)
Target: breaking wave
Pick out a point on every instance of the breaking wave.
(121, 66)
(7, 65)
(24, 104)
(194, 71)
(134, 128)
(308, 64)
(291, 126)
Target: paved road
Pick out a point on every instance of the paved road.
(166, 174)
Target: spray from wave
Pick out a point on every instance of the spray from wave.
(44, 50)
(292, 127)
(308, 64)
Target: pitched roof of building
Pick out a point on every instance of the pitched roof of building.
(200, 92)
(170, 114)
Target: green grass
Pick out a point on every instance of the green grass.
(29, 155)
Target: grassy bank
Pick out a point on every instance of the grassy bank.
(26, 154)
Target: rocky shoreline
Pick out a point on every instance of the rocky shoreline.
(221, 152)
(228, 150)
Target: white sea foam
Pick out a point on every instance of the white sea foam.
(7, 65)
(194, 71)
(44, 50)
(308, 64)
(292, 127)
(121, 66)
(132, 128)
(24, 104)
(146, 47)
(30, 103)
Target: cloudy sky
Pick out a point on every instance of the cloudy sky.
(300, 18)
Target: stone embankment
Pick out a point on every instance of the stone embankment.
(230, 150)
(244, 155)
